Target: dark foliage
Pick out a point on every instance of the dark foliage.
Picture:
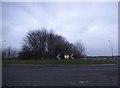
(39, 44)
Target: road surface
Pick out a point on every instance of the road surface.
(18, 75)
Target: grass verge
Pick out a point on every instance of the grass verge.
(55, 62)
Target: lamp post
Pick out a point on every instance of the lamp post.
(111, 47)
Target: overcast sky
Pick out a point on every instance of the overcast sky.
(91, 23)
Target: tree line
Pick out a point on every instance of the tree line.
(41, 44)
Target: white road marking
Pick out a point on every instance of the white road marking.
(35, 85)
(82, 82)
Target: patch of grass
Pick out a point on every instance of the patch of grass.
(55, 62)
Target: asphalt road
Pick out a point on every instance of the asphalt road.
(14, 75)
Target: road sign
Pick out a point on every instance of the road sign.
(72, 56)
(65, 56)
(58, 56)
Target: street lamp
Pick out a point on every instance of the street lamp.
(111, 47)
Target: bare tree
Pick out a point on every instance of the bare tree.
(35, 42)
(43, 44)
(80, 48)
(9, 53)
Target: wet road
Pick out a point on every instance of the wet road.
(16, 75)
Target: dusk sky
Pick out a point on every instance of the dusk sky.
(92, 23)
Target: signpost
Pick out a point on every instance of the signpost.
(65, 56)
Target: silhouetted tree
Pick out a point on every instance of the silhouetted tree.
(80, 48)
(42, 44)
(25, 53)
(9, 53)
(35, 43)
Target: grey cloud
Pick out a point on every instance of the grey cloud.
(92, 23)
